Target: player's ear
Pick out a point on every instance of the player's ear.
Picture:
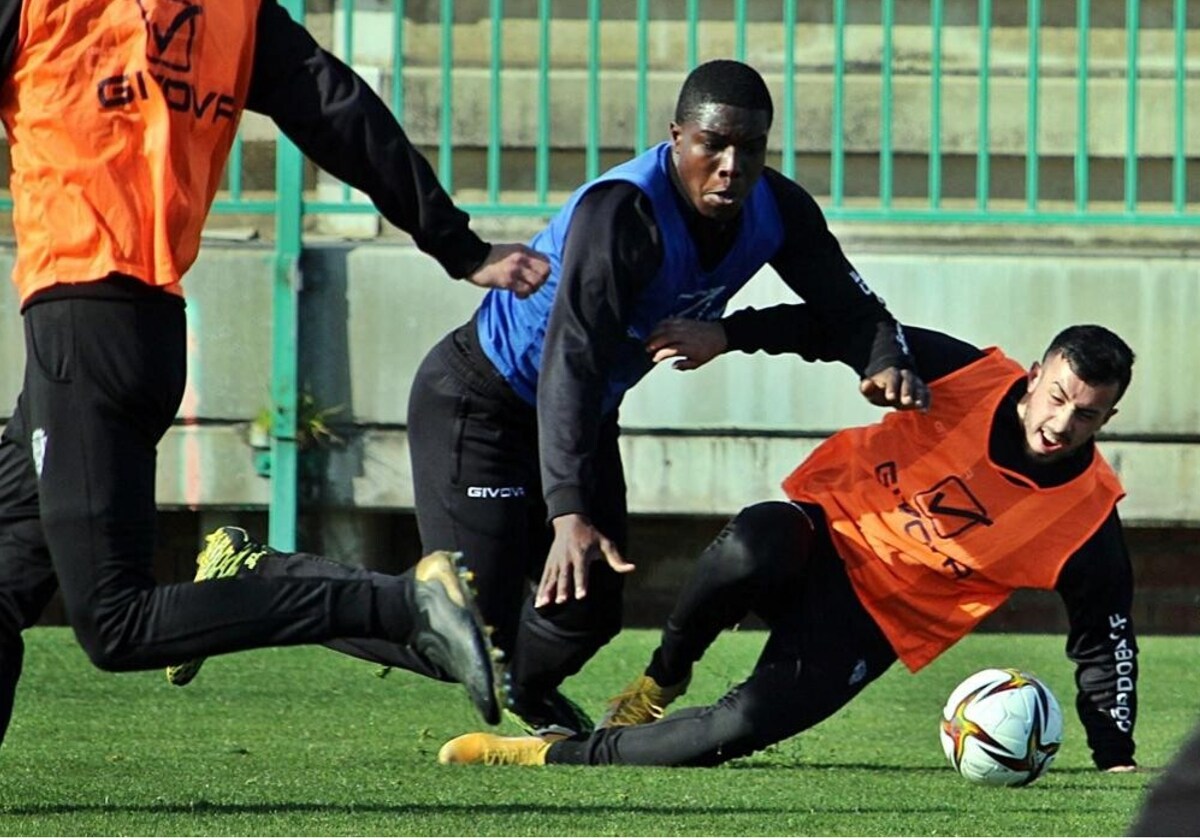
(1031, 378)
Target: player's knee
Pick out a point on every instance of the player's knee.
(105, 642)
(101, 652)
(762, 541)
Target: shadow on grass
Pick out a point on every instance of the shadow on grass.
(480, 809)
(882, 768)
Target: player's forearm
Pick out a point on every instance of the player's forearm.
(608, 249)
(786, 328)
(1106, 677)
(1096, 586)
(866, 346)
(569, 416)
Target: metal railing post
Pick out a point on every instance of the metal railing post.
(1032, 106)
(592, 160)
(837, 151)
(888, 16)
(787, 164)
(1132, 27)
(446, 141)
(983, 157)
(936, 19)
(1083, 28)
(1179, 156)
(641, 130)
(289, 185)
(496, 94)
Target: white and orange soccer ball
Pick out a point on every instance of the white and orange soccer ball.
(1001, 726)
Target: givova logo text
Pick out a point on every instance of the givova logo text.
(173, 28)
(495, 492)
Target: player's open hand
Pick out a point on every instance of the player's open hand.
(690, 343)
(577, 544)
(897, 388)
(515, 267)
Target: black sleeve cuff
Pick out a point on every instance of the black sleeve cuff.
(1105, 759)
(564, 499)
(460, 257)
(740, 334)
(886, 350)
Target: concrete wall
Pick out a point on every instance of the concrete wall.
(697, 443)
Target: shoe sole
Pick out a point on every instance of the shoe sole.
(496, 693)
(554, 730)
(181, 675)
(491, 697)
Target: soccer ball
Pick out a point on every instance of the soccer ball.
(1001, 726)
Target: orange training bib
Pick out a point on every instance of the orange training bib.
(120, 117)
(934, 534)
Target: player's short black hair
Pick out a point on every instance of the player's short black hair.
(725, 82)
(1096, 354)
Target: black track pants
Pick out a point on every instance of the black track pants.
(478, 490)
(103, 379)
(378, 651)
(774, 559)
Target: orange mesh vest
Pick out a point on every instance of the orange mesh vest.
(933, 533)
(120, 116)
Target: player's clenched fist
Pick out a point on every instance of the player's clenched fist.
(512, 266)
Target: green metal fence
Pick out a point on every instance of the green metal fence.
(930, 112)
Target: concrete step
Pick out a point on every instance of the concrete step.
(911, 109)
(667, 39)
(912, 59)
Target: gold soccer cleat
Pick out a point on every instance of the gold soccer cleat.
(485, 748)
(642, 701)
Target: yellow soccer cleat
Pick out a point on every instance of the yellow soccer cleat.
(485, 748)
(642, 701)
(228, 551)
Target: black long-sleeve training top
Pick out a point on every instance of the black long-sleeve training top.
(1096, 584)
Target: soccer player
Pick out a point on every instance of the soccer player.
(513, 417)
(896, 540)
(120, 118)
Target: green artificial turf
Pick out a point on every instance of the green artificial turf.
(307, 742)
